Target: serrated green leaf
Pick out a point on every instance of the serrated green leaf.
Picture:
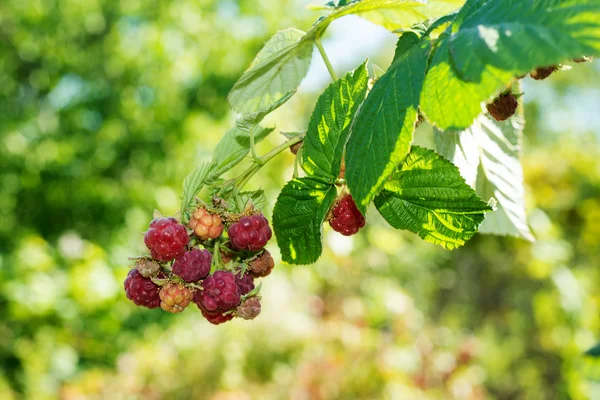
(428, 196)
(450, 102)
(193, 183)
(518, 35)
(382, 132)
(298, 219)
(257, 197)
(487, 155)
(247, 122)
(391, 14)
(491, 42)
(275, 73)
(329, 124)
(233, 148)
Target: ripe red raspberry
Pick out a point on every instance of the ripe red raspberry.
(142, 291)
(217, 318)
(543, 72)
(245, 283)
(166, 239)
(250, 233)
(147, 267)
(262, 265)
(503, 107)
(175, 297)
(193, 265)
(346, 219)
(249, 309)
(220, 293)
(206, 225)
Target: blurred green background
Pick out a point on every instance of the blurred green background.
(105, 105)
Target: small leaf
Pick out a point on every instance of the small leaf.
(383, 128)
(257, 197)
(428, 196)
(249, 121)
(233, 148)
(192, 185)
(298, 219)
(487, 155)
(329, 125)
(274, 75)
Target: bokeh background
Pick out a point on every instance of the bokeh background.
(106, 105)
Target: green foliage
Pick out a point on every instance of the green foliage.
(274, 74)
(427, 196)
(298, 219)
(383, 130)
(329, 124)
(488, 156)
(492, 42)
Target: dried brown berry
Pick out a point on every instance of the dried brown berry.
(542, 73)
(249, 309)
(295, 148)
(147, 267)
(503, 107)
(262, 265)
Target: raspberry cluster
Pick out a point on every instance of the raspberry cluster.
(181, 268)
(345, 216)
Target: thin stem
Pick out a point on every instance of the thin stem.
(253, 147)
(243, 179)
(326, 59)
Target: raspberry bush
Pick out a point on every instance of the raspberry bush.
(456, 67)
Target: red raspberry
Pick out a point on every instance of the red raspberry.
(262, 265)
(245, 283)
(147, 267)
(543, 72)
(250, 233)
(346, 219)
(503, 107)
(249, 309)
(142, 291)
(166, 239)
(220, 293)
(175, 297)
(206, 225)
(217, 319)
(193, 265)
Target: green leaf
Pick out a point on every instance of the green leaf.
(391, 14)
(487, 155)
(329, 125)
(274, 74)
(491, 42)
(518, 35)
(428, 196)
(233, 148)
(238, 204)
(193, 183)
(450, 102)
(594, 351)
(382, 132)
(298, 219)
(249, 121)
